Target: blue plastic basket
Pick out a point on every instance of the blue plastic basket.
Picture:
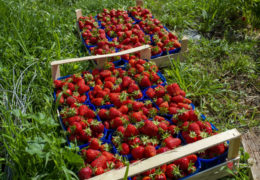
(198, 169)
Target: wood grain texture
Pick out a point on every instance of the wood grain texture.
(251, 143)
(55, 71)
(78, 13)
(170, 156)
(96, 57)
(139, 3)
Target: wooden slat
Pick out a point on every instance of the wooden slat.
(216, 172)
(170, 156)
(139, 3)
(251, 143)
(96, 57)
(78, 13)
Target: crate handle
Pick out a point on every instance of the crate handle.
(144, 50)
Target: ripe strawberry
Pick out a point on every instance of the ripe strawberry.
(94, 143)
(162, 150)
(99, 162)
(113, 113)
(171, 142)
(192, 158)
(97, 101)
(103, 114)
(173, 89)
(90, 154)
(145, 82)
(149, 128)
(173, 129)
(131, 130)
(71, 100)
(193, 116)
(109, 156)
(149, 151)
(160, 176)
(137, 152)
(83, 88)
(85, 173)
(124, 149)
(105, 73)
(98, 171)
(149, 172)
(150, 93)
(123, 109)
(194, 127)
(189, 137)
(97, 126)
(173, 171)
(183, 163)
(58, 84)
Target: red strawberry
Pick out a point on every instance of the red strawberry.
(85, 173)
(162, 150)
(189, 137)
(99, 162)
(94, 143)
(160, 176)
(71, 100)
(131, 130)
(113, 113)
(171, 142)
(105, 73)
(98, 171)
(173, 129)
(192, 158)
(149, 151)
(97, 101)
(194, 127)
(103, 114)
(90, 154)
(145, 82)
(97, 126)
(149, 128)
(150, 93)
(124, 149)
(173, 171)
(137, 152)
(58, 84)
(123, 109)
(83, 88)
(183, 163)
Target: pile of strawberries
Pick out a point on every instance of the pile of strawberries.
(98, 160)
(111, 86)
(136, 113)
(87, 23)
(139, 13)
(115, 30)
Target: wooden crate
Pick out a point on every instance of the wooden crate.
(162, 61)
(233, 136)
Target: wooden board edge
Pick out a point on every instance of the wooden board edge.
(78, 13)
(96, 57)
(216, 172)
(175, 154)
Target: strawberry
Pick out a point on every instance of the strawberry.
(90, 154)
(124, 149)
(99, 162)
(160, 176)
(173, 129)
(97, 101)
(71, 100)
(83, 88)
(105, 73)
(94, 144)
(173, 89)
(171, 142)
(194, 127)
(113, 113)
(131, 130)
(149, 128)
(85, 173)
(58, 84)
(192, 158)
(173, 171)
(103, 114)
(183, 163)
(149, 151)
(123, 109)
(97, 126)
(137, 152)
(98, 171)
(162, 150)
(145, 82)
(190, 137)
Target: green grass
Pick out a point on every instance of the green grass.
(220, 74)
